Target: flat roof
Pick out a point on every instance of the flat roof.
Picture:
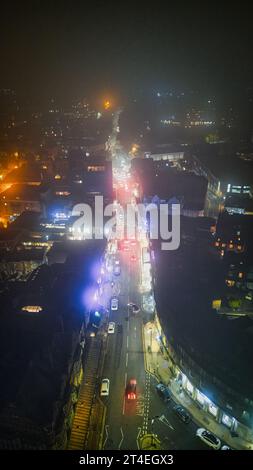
(21, 192)
(26, 173)
(187, 280)
(36, 348)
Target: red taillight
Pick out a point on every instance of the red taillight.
(131, 396)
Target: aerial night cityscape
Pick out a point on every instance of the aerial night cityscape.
(126, 231)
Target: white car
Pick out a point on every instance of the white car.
(104, 389)
(114, 303)
(111, 327)
(209, 438)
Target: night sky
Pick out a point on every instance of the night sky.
(70, 48)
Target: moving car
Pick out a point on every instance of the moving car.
(163, 391)
(126, 245)
(111, 327)
(104, 389)
(116, 269)
(114, 303)
(182, 414)
(209, 438)
(131, 390)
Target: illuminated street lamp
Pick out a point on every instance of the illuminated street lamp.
(107, 104)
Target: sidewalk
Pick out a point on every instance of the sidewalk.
(157, 363)
(149, 442)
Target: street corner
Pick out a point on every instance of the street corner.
(148, 442)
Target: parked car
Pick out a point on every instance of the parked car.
(209, 438)
(135, 309)
(182, 414)
(163, 391)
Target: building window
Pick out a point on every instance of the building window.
(200, 397)
(189, 387)
(94, 168)
(213, 409)
(227, 420)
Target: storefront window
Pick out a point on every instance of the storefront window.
(213, 409)
(227, 420)
(184, 380)
(189, 387)
(200, 397)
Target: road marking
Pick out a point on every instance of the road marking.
(137, 439)
(127, 341)
(124, 404)
(126, 359)
(107, 434)
(124, 400)
(122, 439)
(164, 420)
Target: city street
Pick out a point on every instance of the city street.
(124, 360)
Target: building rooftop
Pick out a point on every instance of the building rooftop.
(167, 183)
(40, 323)
(27, 173)
(187, 281)
(21, 192)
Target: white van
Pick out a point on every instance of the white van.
(104, 389)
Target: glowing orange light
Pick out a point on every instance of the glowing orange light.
(107, 104)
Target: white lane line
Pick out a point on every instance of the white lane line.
(164, 420)
(107, 434)
(124, 404)
(127, 341)
(124, 401)
(122, 438)
(126, 359)
(137, 440)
